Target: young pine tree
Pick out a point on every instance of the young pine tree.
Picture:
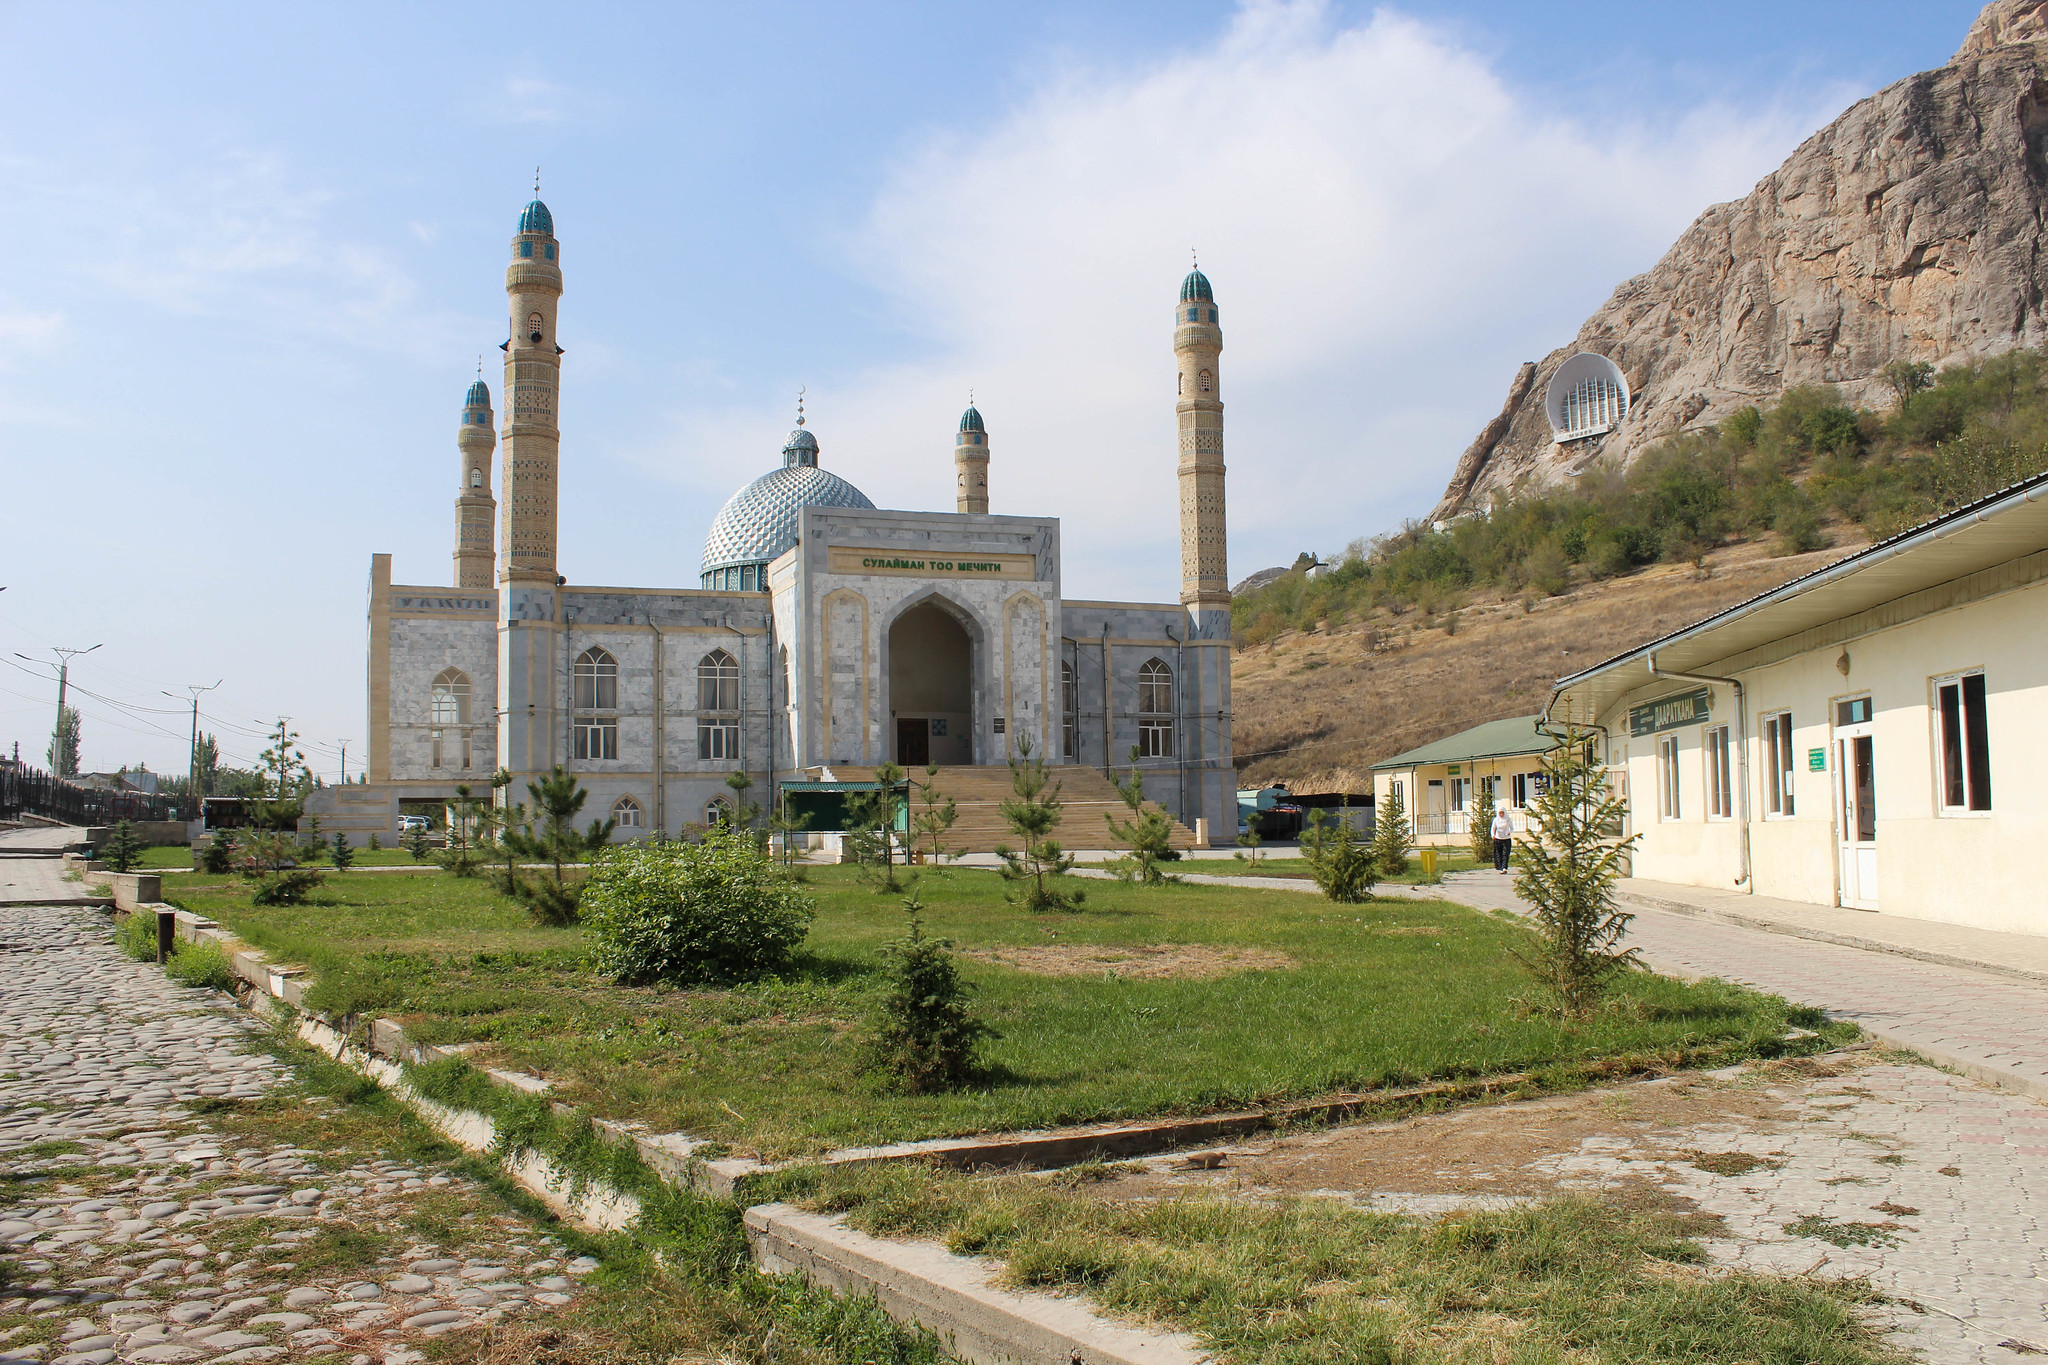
(871, 818)
(123, 849)
(1148, 834)
(1033, 813)
(1571, 858)
(936, 814)
(1481, 828)
(924, 1035)
(1391, 837)
(558, 799)
(340, 853)
(416, 844)
(1341, 862)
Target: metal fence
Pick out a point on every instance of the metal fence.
(30, 791)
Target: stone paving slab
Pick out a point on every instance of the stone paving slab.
(120, 1198)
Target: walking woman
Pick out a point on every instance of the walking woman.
(1503, 839)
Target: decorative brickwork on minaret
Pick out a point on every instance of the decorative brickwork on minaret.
(533, 374)
(970, 464)
(476, 511)
(1204, 574)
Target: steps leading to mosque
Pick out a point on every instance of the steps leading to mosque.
(1086, 796)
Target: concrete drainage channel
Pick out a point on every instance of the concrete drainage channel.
(955, 1297)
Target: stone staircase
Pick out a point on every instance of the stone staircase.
(1086, 795)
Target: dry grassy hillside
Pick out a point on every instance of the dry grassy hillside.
(1316, 709)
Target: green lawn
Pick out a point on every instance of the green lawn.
(1281, 863)
(1383, 993)
(177, 855)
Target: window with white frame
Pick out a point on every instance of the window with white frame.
(718, 682)
(597, 737)
(626, 813)
(434, 742)
(1155, 710)
(1720, 783)
(718, 738)
(1518, 791)
(1070, 709)
(597, 681)
(718, 811)
(1778, 751)
(1668, 807)
(1460, 789)
(1963, 739)
(450, 698)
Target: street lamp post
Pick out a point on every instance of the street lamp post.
(64, 657)
(192, 759)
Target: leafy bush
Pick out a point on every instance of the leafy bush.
(201, 964)
(692, 913)
(136, 938)
(923, 1034)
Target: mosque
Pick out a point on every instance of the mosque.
(824, 636)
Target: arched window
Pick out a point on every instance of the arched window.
(476, 478)
(533, 327)
(626, 812)
(718, 682)
(1155, 710)
(718, 811)
(451, 698)
(1070, 710)
(597, 680)
(1208, 382)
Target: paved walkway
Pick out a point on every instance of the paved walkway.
(140, 1230)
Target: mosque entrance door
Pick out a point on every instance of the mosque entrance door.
(931, 687)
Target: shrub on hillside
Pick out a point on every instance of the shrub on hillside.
(692, 913)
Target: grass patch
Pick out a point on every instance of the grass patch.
(1281, 864)
(1845, 1234)
(1313, 1280)
(1385, 994)
(42, 1150)
(1731, 1163)
(179, 857)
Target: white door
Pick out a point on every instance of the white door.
(1856, 793)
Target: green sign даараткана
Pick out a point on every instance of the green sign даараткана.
(1668, 713)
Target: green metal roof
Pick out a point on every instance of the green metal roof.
(1496, 739)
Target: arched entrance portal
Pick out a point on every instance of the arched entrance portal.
(931, 688)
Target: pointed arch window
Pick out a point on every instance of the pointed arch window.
(626, 813)
(1155, 709)
(597, 680)
(1070, 710)
(718, 693)
(450, 703)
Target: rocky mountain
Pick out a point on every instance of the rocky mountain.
(1911, 228)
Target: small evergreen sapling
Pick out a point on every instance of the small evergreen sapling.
(1148, 833)
(924, 1035)
(219, 856)
(936, 813)
(123, 849)
(1570, 861)
(1033, 813)
(1481, 828)
(871, 818)
(416, 844)
(375, 843)
(1341, 863)
(1391, 837)
(343, 856)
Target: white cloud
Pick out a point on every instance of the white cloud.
(1390, 227)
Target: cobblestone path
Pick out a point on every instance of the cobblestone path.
(170, 1194)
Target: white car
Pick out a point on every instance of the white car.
(408, 823)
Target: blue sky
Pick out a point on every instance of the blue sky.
(256, 251)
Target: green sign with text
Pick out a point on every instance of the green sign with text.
(1816, 760)
(1687, 708)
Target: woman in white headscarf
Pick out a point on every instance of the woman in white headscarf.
(1503, 839)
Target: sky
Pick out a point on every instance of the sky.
(254, 253)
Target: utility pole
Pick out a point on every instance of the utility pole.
(192, 760)
(344, 763)
(64, 657)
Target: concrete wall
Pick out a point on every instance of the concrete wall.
(1963, 868)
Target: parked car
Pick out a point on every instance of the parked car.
(408, 823)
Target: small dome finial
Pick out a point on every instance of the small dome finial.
(536, 182)
(800, 404)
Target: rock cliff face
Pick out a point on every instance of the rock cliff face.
(1913, 227)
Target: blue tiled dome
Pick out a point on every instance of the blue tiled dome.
(970, 420)
(479, 395)
(1195, 288)
(758, 523)
(537, 219)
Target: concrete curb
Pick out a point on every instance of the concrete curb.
(955, 1297)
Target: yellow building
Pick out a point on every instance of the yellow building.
(1863, 736)
(1441, 783)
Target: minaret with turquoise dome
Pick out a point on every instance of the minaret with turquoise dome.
(476, 511)
(970, 463)
(530, 736)
(1204, 573)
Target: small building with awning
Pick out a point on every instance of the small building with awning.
(1443, 782)
(1862, 736)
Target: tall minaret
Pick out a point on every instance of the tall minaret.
(970, 462)
(476, 512)
(529, 602)
(533, 374)
(1204, 576)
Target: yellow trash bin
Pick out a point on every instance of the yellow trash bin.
(1428, 856)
